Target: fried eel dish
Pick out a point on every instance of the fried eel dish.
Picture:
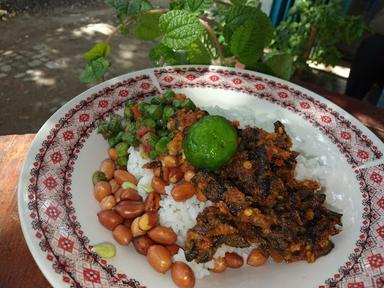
(258, 201)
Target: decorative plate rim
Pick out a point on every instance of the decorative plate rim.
(46, 266)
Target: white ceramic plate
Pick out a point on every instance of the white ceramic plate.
(58, 211)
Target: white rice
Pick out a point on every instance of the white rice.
(181, 216)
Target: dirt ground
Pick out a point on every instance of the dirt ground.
(41, 58)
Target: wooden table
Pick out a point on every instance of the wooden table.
(17, 267)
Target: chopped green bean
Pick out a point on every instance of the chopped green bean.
(161, 145)
(189, 104)
(112, 141)
(122, 149)
(129, 103)
(150, 138)
(154, 111)
(168, 113)
(122, 161)
(153, 154)
(130, 139)
(142, 106)
(178, 103)
(150, 123)
(156, 100)
(128, 113)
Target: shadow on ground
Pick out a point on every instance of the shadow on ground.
(41, 59)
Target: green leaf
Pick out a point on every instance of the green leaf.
(237, 16)
(95, 70)
(194, 5)
(138, 6)
(147, 26)
(161, 55)
(280, 65)
(180, 28)
(239, 2)
(129, 8)
(247, 43)
(198, 53)
(101, 49)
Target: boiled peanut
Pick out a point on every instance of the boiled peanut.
(219, 265)
(108, 167)
(112, 154)
(118, 194)
(135, 229)
(102, 189)
(159, 258)
(182, 275)
(256, 258)
(108, 202)
(122, 176)
(233, 260)
(109, 219)
(183, 191)
(148, 220)
(130, 194)
(152, 202)
(114, 185)
(189, 175)
(122, 234)
(169, 161)
(175, 175)
(130, 209)
(173, 248)
(142, 244)
(158, 184)
(163, 235)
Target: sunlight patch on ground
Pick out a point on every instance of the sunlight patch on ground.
(39, 77)
(341, 71)
(92, 29)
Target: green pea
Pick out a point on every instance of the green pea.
(122, 149)
(122, 161)
(168, 113)
(98, 176)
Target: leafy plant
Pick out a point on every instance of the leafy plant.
(232, 33)
(313, 30)
(194, 32)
